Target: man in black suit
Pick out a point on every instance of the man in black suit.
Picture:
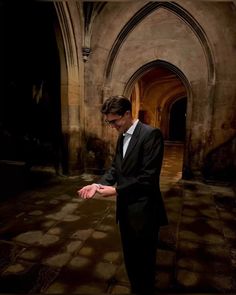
(134, 179)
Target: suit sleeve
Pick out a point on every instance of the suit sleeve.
(147, 176)
(110, 177)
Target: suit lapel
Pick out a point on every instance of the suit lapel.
(120, 146)
(133, 141)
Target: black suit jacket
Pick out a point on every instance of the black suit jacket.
(136, 177)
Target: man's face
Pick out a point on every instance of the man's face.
(120, 123)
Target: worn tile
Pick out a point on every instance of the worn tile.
(104, 270)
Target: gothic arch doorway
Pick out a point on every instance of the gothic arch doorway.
(159, 93)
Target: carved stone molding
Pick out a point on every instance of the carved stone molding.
(145, 11)
(90, 11)
(86, 52)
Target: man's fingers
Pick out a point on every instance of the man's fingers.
(87, 192)
(82, 193)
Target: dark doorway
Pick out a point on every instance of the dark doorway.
(30, 116)
(177, 124)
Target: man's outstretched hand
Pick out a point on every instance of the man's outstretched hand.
(89, 191)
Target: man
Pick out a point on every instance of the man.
(135, 173)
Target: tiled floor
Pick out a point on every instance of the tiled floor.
(53, 242)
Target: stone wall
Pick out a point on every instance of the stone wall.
(197, 37)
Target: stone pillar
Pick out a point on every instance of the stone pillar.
(71, 127)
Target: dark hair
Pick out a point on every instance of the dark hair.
(117, 104)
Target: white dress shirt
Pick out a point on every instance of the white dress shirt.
(127, 136)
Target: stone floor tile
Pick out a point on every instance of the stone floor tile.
(167, 237)
(90, 289)
(121, 275)
(57, 288)
(79, 262)
(201, 230)
(113, 257)
(165, 280)
(165, 259)
(226, 215)
(57, 260)
(9, 253)
(97, 235)
(73, 247)
(199, 210)
(104, 270)
(31, 254)
(119, 289)
(82, 234)
(222, 283)
(30, 237)
(198, 237)
(87, 251)
(46, 275)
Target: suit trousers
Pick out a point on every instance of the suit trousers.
(139, 250)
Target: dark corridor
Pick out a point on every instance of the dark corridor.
(177, 124)
(30, 127)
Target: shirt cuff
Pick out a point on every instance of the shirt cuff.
(97, 185)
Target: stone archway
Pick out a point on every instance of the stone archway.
(150, 78)
(154, 89)
(146, 10)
